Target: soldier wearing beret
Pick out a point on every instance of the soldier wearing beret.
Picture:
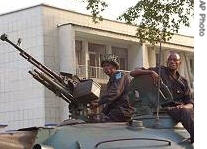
(115, 99)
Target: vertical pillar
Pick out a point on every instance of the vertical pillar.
(182, 66)
(67, 59)
(185, 69)
(164, 58)
(67, 49)
(143, 56)
(86, 57)
(138, 56)
(64, 110)
(133, 60)
(152, 57)
(108, 49)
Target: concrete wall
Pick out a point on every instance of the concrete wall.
(21, 97)
(67, 49)
(59, 45)
(55, 108)
(134, 59)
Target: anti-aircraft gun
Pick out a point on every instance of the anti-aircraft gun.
(76, 92)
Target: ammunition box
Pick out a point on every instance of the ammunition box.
(87, 91)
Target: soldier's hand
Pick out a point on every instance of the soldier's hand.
(155, 77)
(180, 106)
(186, 106)
(94, 104)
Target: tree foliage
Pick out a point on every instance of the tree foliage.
(156, 20)
(96, 7)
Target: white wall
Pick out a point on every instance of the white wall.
(133, 59)
(67, 49)
(138, 56)
(59, 55)
(21, 97)
(152, 57)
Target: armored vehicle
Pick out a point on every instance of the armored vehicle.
(150, 127)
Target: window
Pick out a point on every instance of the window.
(93, 47)
(122, 64)
(78, 50)
(95, 53)
(192, 66)
(122, 54)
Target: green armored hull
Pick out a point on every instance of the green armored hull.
(96, 135)
(144, 132)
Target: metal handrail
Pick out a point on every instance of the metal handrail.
(127, 139)
(93, 72)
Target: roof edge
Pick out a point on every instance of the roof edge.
(123, 34)
(50, 6)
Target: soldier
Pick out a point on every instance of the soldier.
(115, 99)
(179, 88)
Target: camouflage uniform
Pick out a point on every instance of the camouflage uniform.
(116, 99)
(181, 93)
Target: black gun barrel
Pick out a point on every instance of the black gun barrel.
(54, 88)
(47, 77)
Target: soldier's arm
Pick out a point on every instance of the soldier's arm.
(143, 71)
(140, 71)
(186, 106)
(188, 100)
(114, 91)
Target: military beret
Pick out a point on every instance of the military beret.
(111, 59)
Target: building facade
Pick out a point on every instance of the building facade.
(70, 42)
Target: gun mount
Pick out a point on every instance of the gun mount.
(76, 92)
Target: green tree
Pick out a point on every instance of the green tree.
(156, 20)
(96, 7)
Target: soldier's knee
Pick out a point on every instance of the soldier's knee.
(186, 114)
(186, 110)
